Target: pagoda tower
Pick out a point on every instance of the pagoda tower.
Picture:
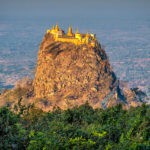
(70, 33)
(57, 27)
(78, 35)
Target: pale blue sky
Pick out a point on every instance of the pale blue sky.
(74, 8)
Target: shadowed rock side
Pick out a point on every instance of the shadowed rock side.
(69, 75)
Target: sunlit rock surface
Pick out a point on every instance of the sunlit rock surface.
(69, 75)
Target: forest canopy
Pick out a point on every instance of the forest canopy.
(27, 127)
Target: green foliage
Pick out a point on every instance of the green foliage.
(78, 128)
(12, 132)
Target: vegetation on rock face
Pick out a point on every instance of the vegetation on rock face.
(77, 128)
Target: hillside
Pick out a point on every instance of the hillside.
(69, 74)
(71, 70)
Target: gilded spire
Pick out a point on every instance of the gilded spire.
(70, 33)
(77, 31)
(57, 27)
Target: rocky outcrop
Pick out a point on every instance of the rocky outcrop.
(69, 75)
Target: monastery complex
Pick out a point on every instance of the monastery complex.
(76, 38)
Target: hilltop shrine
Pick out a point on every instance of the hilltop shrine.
(76, 38)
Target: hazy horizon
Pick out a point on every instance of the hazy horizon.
(58, 8)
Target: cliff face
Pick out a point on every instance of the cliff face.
(68, 75)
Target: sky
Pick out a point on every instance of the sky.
(74, 8)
